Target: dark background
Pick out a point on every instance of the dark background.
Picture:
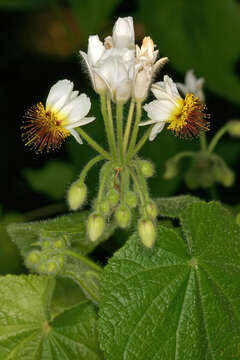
(39, 42)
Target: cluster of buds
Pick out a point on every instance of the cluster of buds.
(120, 71)
(49, 258)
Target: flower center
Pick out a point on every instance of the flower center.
(43, 129)
(188, 118)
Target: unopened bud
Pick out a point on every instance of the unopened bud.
(171, 170)
(77, 195)
(59, 244)
(227, 177)
(45, 244)
(234, 128)
(147, 232)
(52, 267)
(152, 209)
(146, 168)
(33, 258)
(105, 207)
(123, 216)
(95, 226)
(113, 197)
(131, 199)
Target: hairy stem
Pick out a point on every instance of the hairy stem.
(108, 126)
(94, 144)
(128, 125)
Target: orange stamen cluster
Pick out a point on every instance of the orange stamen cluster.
(189, 119)
(42, 129)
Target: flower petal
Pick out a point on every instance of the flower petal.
(123, 33)
(95, 49)
(81, 122)
(89, 67)
(77, 109)
(75, 134)
(156, 130)
(59, 95)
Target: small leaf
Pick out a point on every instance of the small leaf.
(27, 331)
(52, 180)
(179, 300)
(173, 206)
(72, 227)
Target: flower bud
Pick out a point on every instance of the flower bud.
(76, 195)
(52, 267)
(171, 170)
(59, 244)
(234, 128)
(113, 197)
(95, 226)
(142, 83)
(123, 33)
(123, 216)
(147, 232)
(33, 258)
(152, 209)
(105, 207)
(46, 244)
(131, 199)
(227, 177)
(146, 168)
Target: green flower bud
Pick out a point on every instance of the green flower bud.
(105, 207)
(52, 267)
(77, 195)
(238, 219)
(33, 258)
(152, 209)
(113, 197)
(234, 128)
(147, 168)
(95, 226)
(46, 244)
(123, 216)
(171, 170)
(227, 177)
(59, 244)
(131, 199)
(147, 232)
(43, 268)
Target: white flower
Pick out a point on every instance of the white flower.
(111, 65)
(192, 85)
(65, 110)
(145, 67)
(185, 116)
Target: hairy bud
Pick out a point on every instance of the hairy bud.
(95, 226)
(105, 207)
(152, 209)
(131, 199)
(123, 216)
(234, 128)
(76, 196)
(113, 197)
(147, 232)
(146, 168)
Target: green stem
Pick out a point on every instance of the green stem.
(119, 130)
(105, 171)
(140, 144)
(135, 130)
(88, 166)
(94, 144)
(83, 259)
(108, 126)
(111, 126)
(203, 141)
(217, 137)
(124, 185)
(138, 188)
(142, 181)
(182, 155)
(128, 126)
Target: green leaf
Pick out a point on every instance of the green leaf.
(23, 4)
(52, 180)
(72, 227)
(95, 10)
(194, 34)
(27, 331)
(179, 300)
(173, 206)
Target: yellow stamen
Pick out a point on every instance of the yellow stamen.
(43, 129)
(188, 118)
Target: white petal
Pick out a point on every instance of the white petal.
(158, 89)
(148, 122)
(89, 67)
(170, 86)
(77, 109)
(95, 49)
(190, 80)
(123, 33)
(75, 134)
(182, 88)
(74, 94)
(81, 122)
(159, 110)
(156, 130)
(59, 95)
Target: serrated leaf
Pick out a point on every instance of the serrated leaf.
(53, 179)
(179, 300)
(27, 332)
(194, 34)
(173, 206)
(72, 227)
